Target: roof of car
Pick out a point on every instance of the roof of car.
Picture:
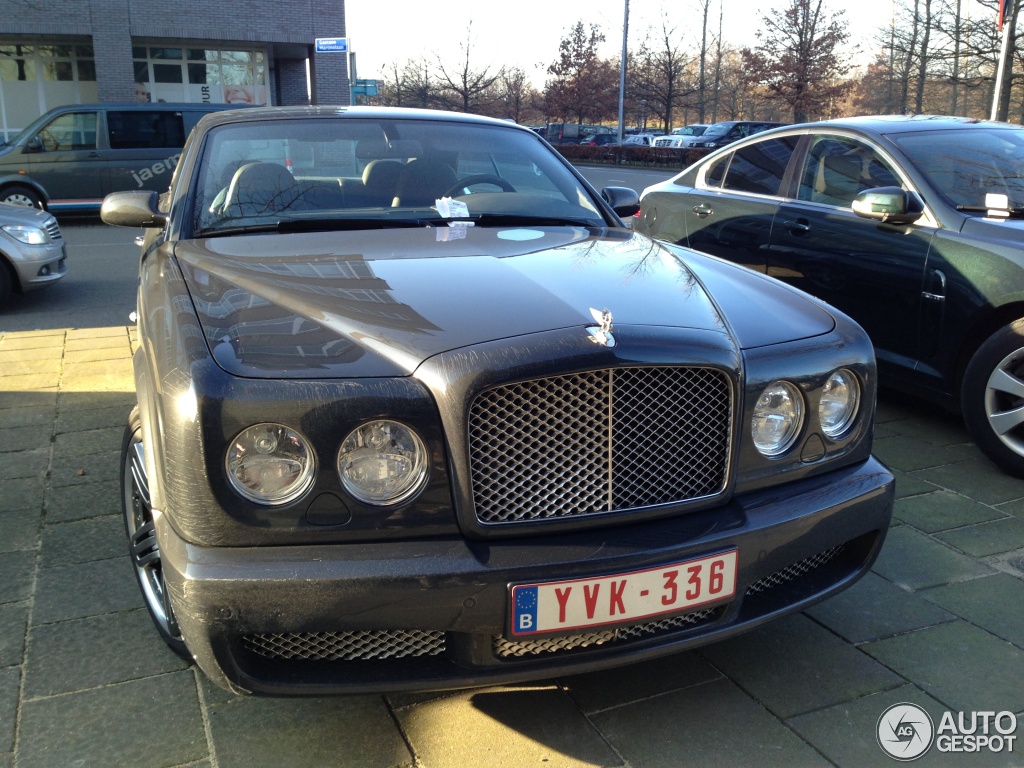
(391, 113)
(906, 123)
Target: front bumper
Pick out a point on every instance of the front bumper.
(40, 265)
(432, 614)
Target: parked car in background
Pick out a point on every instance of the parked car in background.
(914, 226)
(670, 142)
(72, 156)
(574, 133)
(444, 421)
(32, 251)
(601, 140)
(720, 134)
(689, 133)
(640, 140)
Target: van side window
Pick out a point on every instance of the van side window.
(146, 129)
(72, 130)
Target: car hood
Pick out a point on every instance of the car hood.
(22, 215)
(380, 302)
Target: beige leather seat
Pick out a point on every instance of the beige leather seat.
(260, 188)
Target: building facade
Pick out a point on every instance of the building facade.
(54, 52)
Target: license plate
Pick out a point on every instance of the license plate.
(561, 606)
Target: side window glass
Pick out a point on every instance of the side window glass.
(759, 168)
(146, 129)
(837, 169)
(715, 173)
(74, 130)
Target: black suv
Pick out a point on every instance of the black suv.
(720, 134)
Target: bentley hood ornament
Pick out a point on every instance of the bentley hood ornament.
(601, 333)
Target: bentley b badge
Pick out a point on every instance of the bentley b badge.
(601, 333)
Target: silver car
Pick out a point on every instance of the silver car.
(32, 251)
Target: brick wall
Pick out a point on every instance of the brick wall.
(287, 29)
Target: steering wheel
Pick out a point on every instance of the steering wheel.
(480, 178)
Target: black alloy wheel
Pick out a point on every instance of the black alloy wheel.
(143, 547)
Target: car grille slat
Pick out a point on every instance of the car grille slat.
(599, 441)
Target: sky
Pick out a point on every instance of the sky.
(526, 33)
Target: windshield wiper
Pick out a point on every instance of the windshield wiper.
(520, 220)
(995, 213)
(343, 224)
(287, 226)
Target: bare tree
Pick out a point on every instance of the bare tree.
(516, 97)
(798, 60)
(411, 85)
(466, 89)
(660, 74)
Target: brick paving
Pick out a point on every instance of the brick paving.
(85, 680)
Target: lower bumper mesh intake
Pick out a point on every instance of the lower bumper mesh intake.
(347, 646)
(506, 649)
(795, 571)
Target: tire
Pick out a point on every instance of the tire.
(22, 195)
(6, 284)
(992, 398)
(143, 548)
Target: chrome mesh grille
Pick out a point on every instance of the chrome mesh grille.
(599, 441)
(504, 648)
(347, 646)
(794, 571)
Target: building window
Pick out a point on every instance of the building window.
(201, 75)
(35, 78)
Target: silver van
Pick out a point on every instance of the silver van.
(73, 156)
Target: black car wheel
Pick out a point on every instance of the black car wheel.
(142, 543)
(20, 195)
(6, 283)
(992, 399)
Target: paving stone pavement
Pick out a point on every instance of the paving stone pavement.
(85, 680)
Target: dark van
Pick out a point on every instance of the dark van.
(73, 156)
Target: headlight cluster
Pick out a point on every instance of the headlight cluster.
(780, 412)
(381, 463)
(26, 234)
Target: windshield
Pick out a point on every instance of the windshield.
(353, 173)
(965, 165)
(693, 130)
(718, 129)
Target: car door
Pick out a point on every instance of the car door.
(65, 157)
(730, 212)
(874, 272)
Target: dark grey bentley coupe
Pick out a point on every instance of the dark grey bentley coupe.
(417, 411)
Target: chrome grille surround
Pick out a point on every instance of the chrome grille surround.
(599, 441)
(504, 648)
(794, 571)
(347, 646)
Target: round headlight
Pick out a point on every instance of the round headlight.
(840, 400)
(270, 464)
(778, 418)
(382, 462)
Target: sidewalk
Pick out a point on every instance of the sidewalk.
(85, 680)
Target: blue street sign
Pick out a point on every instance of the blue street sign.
(332, 45)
